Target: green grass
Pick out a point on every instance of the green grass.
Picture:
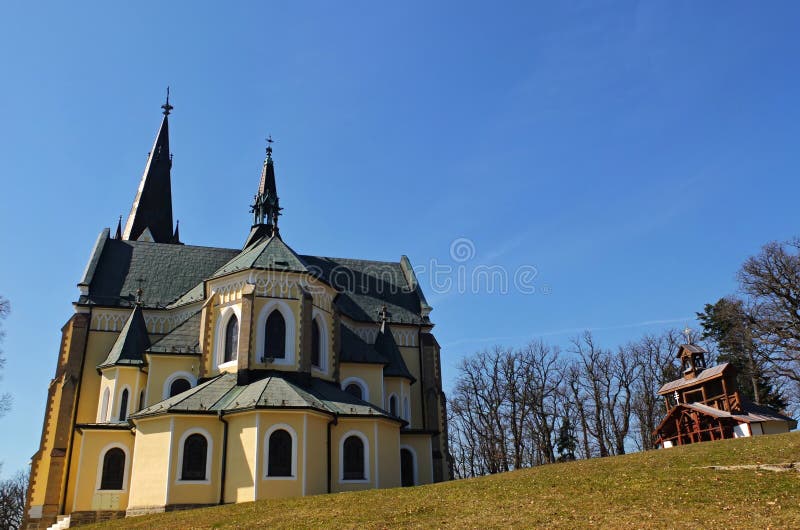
(662, 489)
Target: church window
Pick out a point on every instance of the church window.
(316, 345)
(231, 339)
(179, 385)
(353, 459)
(275, 343)
(407, 470)
(141, 400)
(393, 405)
(104, 405)
(195, 455)
(123, 406)
(113, 469)
(279, 461)
(354, 390)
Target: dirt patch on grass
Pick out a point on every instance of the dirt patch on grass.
(777, 468)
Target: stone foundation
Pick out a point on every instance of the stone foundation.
(81, 518)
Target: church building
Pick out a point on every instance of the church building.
(191, 376)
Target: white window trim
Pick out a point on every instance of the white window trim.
(293, 434)
(396, 403)
(407, 410)
(102, 414)
(365, 441)
(178, 375)
(103, 452)
(320, 318)
(289, 320)
(127, 405)
(222, 323)
(414, 459)
(209, 452)
(360, 382)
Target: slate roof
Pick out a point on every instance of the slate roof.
(173, 275)
(751, 413)
(387, 347)
(131, 343)
(705, 375)
(355, 350)
(183, 339)
(276, 390)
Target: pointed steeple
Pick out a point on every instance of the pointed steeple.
(152, 207)
(131, 343)
(176, 237)
(266, 206)
(118, 235)
(387, 347)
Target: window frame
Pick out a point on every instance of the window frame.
(360, 382)
(415, 463)
(290, 336)
(125, 471)
(209, 454)
(293, 435)
(171, 379)
(320, 318)
(127, 404)
(365, 441)
(221, 327)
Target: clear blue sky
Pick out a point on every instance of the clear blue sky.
(634, 153)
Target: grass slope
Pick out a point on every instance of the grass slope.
(664, 489)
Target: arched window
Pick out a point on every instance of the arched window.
(113, 469)
(316, 344)
(407, 468)
(393, 405)
(231, 339)
(195, 450)
(179, 385)
(275, 330)
(141, 400)
(354, 389)
(279, 460)
(123, 406)
(353, 459)
(104, 405)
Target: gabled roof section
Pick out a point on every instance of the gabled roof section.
(705, 375)
(117, 268)
(274, 391)
(269, 254)
(131, 343)
(353, 349)
(183, 339)
(387, 347)
(152, 207)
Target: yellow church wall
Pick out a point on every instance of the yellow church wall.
(392, 386)
(295, 423)
(151, 460)
(38, 493)
(411, 358)
(327, 319)
(240, 472)
(382, 448)
(195, 492)
(369, 374)
(162, 367)
(420, 446)
(125, 377)
(85, 493)
(316, 453)
(98, 345)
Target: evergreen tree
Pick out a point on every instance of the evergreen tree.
(567, 442)
(729, 325)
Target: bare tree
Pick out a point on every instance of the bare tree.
(12, 500)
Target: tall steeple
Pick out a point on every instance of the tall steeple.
(266, 205)
(151, 213)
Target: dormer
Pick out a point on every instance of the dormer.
(693, 360)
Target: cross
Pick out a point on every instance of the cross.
(139, 291)
(269, 144)
(383, 315)
(688, 333)
(166, 106)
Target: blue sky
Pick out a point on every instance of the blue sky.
(633, 153)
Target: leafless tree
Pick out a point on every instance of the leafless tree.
(12, 500)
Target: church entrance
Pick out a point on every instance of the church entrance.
(406, 468)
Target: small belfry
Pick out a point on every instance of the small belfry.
(190, 376)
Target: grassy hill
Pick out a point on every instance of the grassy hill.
(664, 489)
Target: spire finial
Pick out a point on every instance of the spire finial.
(118, 235)
(269, 147)
(166, 106)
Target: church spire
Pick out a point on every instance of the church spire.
(151, 213)
(266, 206)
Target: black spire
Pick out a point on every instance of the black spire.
(118, 235)
(266, 206)
(152, 207)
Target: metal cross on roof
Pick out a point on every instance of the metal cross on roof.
(384, 314)
(166, 106)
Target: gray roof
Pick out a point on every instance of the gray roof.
(705, 375)
(183, 339)
(274, 391)
(173, 275)
(751, 413)
(353, 349)
(387, 347)
(166, 271)
(131, 343)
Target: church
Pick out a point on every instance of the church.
(191, 376)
